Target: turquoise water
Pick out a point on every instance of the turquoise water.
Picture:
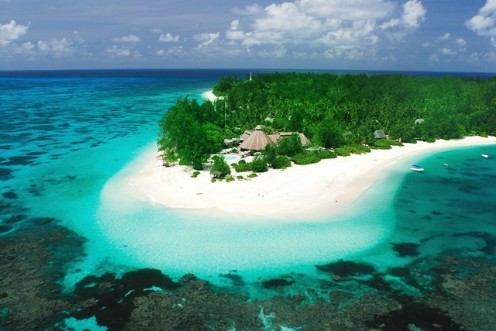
(68, 139)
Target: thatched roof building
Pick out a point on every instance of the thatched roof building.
(303, 139)
(257, 141)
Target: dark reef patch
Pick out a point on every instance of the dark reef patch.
(10, 195)
(31, 270)
(379, 283)
(235, 279)
(113, 298)
(5, 173)
(414, 316)
(406, 249)
(4, 228)
(21, 160)
(278, 282)
(346, 268)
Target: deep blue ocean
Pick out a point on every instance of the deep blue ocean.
(64, 135)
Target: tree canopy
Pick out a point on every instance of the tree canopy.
(332, 110)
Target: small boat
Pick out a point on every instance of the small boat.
(485, 155)
(416, 168)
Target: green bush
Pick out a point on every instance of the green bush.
(290, 146)
(281, 162)
(410, 141)
(394, 142)
(326, 154)
(220, 166)
(229, 179)
(260, 165)
(358, 149)
(342, 151)
(243, 166)
(270, 153)
(240, 177)
(306, 158)
(195, 174)
(385, 143)
(381, 144)
(252, 175)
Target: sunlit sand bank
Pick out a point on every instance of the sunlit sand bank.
(297, 193)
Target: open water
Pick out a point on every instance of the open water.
(65, 135)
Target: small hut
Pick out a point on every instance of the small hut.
(257, 141)
(379, 134)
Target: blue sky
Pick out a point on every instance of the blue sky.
(441, 35)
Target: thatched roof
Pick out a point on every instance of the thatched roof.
(245, 135)
(257, 141)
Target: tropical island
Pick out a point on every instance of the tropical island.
(348, 130)
(271, 116)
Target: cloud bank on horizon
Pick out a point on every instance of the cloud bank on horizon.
(456, 35)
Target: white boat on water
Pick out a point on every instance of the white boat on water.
(485, 155)
(416, 168)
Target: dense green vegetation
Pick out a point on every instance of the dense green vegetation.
(335, 111)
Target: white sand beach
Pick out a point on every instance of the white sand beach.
(299, 192)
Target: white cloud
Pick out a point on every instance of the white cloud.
(117, 51)
(168, 38)
(56, 47)
(11, 31)
(333, 28)
(173, 51)
(447, 51)
(484, 23)
(445, 37)
(461, 42)
(413, 14)
(128, 39)
(206, 39)
(25, 49)
(235, 33)
(448, 46)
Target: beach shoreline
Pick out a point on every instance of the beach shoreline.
(298, 193)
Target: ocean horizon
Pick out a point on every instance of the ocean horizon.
(237, 72)
(66, 136)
